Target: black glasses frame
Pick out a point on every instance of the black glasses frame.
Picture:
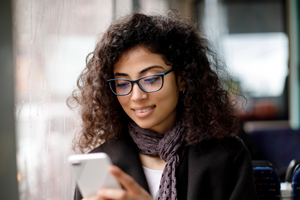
(137, 82)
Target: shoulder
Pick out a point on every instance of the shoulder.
(115, 145)
(227, 149)
(108, 146)
(225, 166)
(230, 143)
(118, 149)
(234, 146)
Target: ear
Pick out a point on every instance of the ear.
(181, 83)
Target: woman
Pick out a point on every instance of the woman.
(153, 95)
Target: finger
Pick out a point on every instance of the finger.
(94, 198)
(127, 181)
(108, 193)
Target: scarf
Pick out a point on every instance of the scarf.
(165, 146)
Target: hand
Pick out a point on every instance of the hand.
(133, 190)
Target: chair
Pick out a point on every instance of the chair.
(266, 180)
(296, 183)
(290, 170)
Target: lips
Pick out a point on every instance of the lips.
(144, 111)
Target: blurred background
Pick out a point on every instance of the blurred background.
(258, 39)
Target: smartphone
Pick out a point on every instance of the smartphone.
(91, 173)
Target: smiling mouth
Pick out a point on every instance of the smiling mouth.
(145, 110)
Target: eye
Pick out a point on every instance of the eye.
(122, 85)
(152, 79)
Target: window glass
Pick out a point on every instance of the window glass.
(52, 40)
(251, 37)
(152, 6)
(258, 61)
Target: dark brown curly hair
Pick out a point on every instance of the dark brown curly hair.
(206, 107)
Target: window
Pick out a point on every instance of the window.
(252, 38)
(52, 40)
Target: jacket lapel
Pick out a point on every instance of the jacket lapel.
(193, 168)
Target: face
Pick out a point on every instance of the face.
(155, 111)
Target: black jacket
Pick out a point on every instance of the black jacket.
(212, 170)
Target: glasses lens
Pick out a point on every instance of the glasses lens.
(151, 83)
(121, 86)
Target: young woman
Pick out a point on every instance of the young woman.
(153, 98)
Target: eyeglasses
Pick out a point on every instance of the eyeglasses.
(149, 83)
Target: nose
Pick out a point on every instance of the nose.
(137, 94)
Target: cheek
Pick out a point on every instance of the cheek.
(168, 97)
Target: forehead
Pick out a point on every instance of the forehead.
(137, 59)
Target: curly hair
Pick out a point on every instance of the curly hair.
(206, 107)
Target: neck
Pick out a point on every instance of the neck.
(152, 162)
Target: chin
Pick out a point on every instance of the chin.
(144, 125)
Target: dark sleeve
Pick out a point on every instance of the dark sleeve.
(77, 195)
(242, 173)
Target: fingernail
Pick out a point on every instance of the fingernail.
(114, 169)
(99, 192)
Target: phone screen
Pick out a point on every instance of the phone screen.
(91, 173)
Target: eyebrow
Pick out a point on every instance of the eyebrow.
(141, 72)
